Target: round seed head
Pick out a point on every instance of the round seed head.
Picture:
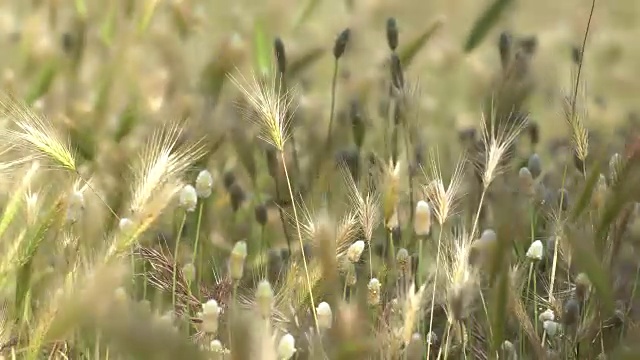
(204, 183)
(209, 316)
(547, 315)
(571, 312)
(126, 226)
(534, 132)
(422, 220)
(188, 198)
(350, 274)
(373, 294)
(237, 196)
(551, 328)
(228, 179)
(355, 251)
(216, 346)
(236, 260)
(261, 214)
(525, 178)
(264, 298)
(488, 236)
(341, 43)
(392, 33)
(75, 206)
(286, 347)
(325, 316)
(534, 165)
(535, 251)
(402, 259)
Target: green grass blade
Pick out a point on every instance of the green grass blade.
(484, 23)
(409, 51)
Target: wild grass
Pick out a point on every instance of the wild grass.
(338, 195)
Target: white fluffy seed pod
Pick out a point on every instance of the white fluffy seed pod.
(355, 251)
(126, 225)
(325, 316)
(236, 260)
(204, 183)
(209, 316)
(264, 299)
(547, 315)
(188, 198)
(422, 222)
(286, 347)
(75, 206)
(551, 328)
(535, 251)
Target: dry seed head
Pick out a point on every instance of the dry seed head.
(373, 294)
(325, 316)
(422, 221)
(350, 274)
(346, 232)
(615, 165)
(286, 347)
(264, 299)
(161, 162)
(443, 201)
(204, 183)
(508, 350)
(281, 58)
(575, 114)
(600, 192)
(583, 286)
(188, 198)
(498, 140)
(36, 134)
(273, 108)
(236, 260)
(402, 259)
(366, 207)
(75, 205)
(462, 278)
(411, 311)
(355, 251)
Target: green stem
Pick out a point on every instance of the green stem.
(196, 249)
(175, 261)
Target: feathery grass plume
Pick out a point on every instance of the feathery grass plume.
(160, 163)
(35, 134)
(462, 278)
(443, 200)
(498, 140)
(273, 108)
(575, 113)
(19, 194)
(366, 207)
(411, 311)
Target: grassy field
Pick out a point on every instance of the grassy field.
(357, 179)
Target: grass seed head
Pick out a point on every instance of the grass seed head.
(204, 183)
(534, 164)
(535, 251)
(392, 33)
(286, 347)
(325, 316)
(355, 251)
(264, 299)
(236, 260)
(341, 43)
(373, 294)
(422, 220)
(188, 198)
(281, 58)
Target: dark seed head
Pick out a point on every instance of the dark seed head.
(67, 42)
(534, 165)
(504, 46)
(285, 254)
(578, 163)
(237, 196)
(228, 179)
(341, 43)
(392, 33)
(571, 312)
(278, 48)
(261, 214)
(357, 123)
